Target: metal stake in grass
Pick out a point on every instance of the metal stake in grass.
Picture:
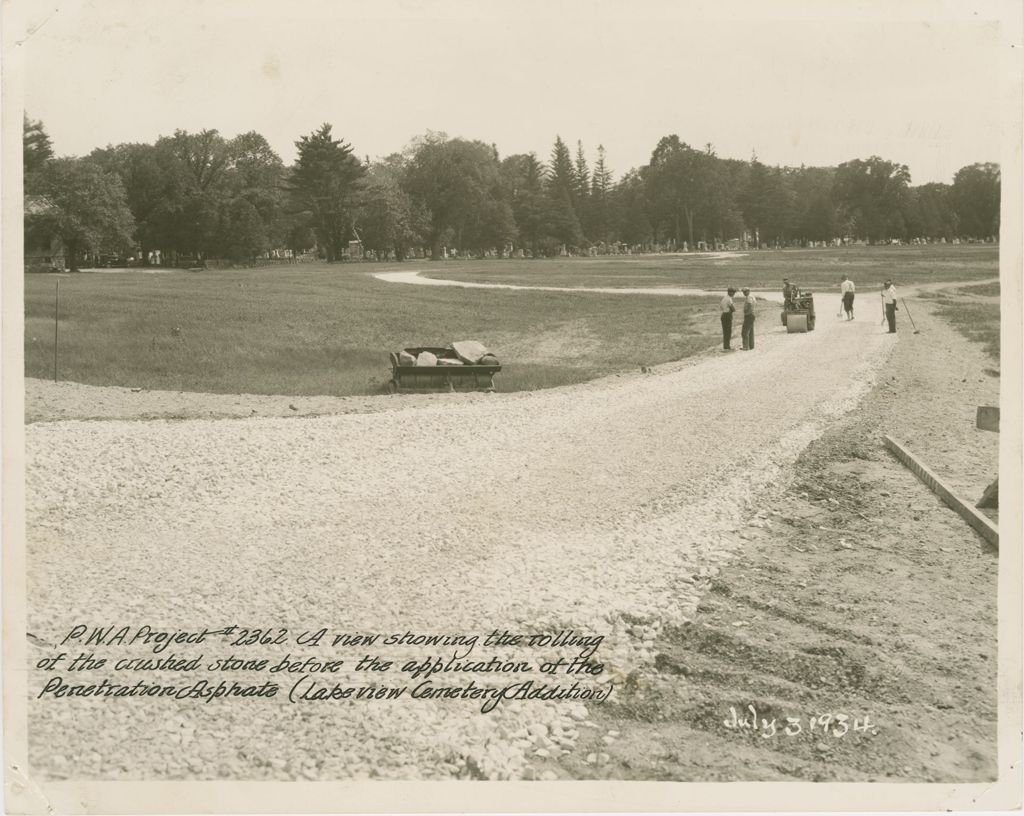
(916, 330)
(56, 317)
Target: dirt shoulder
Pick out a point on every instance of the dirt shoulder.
(857, 592)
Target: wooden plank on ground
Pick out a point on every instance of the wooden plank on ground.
(988, 418)
(985, 528)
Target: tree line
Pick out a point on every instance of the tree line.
(203, 196)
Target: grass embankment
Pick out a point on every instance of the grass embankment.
(982, 289)
(328, 329)
(975, 321)
(973, 311)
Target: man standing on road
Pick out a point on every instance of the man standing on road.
(787, 291)
(728, 307)
(747, 332)
(846, 288)
(889, 301)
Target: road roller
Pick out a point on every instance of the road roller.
(798, 313)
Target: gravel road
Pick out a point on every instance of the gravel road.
(600, 508)
(415, 276)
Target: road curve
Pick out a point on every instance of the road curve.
(415, 277)
(598, 508)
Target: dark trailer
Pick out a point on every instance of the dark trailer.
(443, 376)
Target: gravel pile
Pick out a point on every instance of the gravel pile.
(601, 509)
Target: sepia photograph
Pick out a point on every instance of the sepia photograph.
(575, 392)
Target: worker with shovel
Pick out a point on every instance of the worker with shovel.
(889, 304)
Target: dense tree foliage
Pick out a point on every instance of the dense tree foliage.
(325, 183)
(766, 202)
(459, 184)
(975, 196)
(523, 178)
(389, 220)
(37, 148)
(201, 195)
(196, 196)
(873, 197)
(155, 183)
(86, 207)
(599, 221)
(692, 193)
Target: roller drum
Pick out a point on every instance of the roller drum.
(796, 323)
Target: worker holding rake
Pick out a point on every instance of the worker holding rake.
(889, 305)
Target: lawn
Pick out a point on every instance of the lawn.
(813, 269)
(982, 289)
(975, 321)
(327, 329)
(319, 329)
(974, 311)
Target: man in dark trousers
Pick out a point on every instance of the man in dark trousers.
(747, 332)
(889, 302)
(728, 307)
(847, 289)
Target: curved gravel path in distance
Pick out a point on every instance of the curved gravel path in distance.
(415, 276)
(600, 508)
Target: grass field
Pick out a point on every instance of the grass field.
(814, 269)
(327, 329)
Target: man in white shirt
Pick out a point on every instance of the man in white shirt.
(846, 288)
(889, 301)
(747, 332)
(728, 307)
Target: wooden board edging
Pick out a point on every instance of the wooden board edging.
(982, 524)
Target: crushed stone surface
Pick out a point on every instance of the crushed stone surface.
(601, 508)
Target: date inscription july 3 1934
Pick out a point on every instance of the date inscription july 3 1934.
(830, 724)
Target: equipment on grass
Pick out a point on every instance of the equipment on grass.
(798, 313)
(446, 370)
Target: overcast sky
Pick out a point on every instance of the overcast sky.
(815, 92)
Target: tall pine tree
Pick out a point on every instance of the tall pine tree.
(324, 182)
(562, 218)
(600, 200)
(37, 147)
(581, 175)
